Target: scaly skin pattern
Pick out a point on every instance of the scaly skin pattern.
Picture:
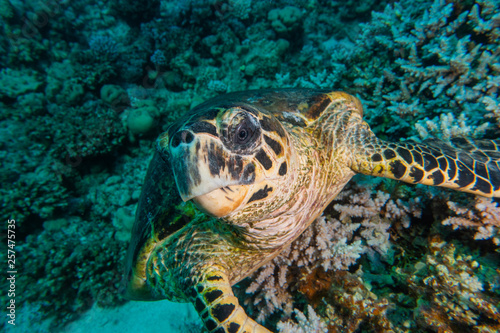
(463, 165)
(266, 164)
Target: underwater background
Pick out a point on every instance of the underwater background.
(86, 87)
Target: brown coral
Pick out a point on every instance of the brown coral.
(351, 304)
(315, 285)
(348, 302)
(452, 295)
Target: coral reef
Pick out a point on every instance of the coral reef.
(371, 274)
(414, 67)
(359, 225)
(85, 87)
(81, 270)
(18, 82)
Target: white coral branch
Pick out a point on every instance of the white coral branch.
(484, 217)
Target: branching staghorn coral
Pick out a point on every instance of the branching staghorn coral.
(324, 243)
(425, 65)
(359, 200)
(417, 60)
(446, 289)
(446, 127)
(483, 215)
(309, 324)
(359, 223)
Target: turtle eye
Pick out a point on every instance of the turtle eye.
(244, 132)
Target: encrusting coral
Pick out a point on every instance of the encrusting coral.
(456, 291)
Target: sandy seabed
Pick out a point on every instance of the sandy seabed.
(136, 317)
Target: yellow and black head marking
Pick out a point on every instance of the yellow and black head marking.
(226, 156)
(266, 163)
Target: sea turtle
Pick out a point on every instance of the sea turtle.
(266, 163)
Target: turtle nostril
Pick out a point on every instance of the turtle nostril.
(176, 140)
(182, 137)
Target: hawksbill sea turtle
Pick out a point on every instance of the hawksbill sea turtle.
(266, 163)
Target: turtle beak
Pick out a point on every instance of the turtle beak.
(222, 201)
(206, 172)
(203, 167)
(195, 170)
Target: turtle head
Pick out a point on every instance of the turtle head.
(223, 156)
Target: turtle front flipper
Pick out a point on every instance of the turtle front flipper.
(462, 165)
(219, 308)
